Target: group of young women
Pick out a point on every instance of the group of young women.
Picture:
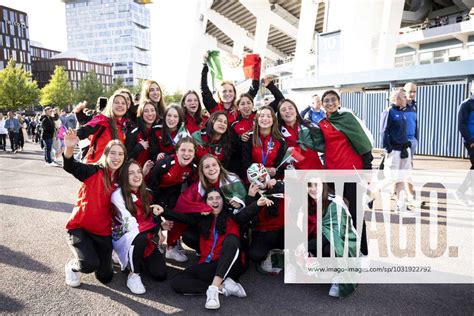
(214, 181)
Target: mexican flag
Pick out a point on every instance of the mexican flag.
(354, 129)
(338, 229)
(232, 189)
(182, 132)
(214, 63)
(292, 154)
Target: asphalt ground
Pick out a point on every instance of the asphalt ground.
(35, 203)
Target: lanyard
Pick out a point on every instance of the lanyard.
(209, 257)
(172, 140)
(265, 155)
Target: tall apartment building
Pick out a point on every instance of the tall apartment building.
(115, 32)
(14, 38)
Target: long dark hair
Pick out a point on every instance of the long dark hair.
(299, 120)
(198, 115)
(221, 220)
(328, 189)
(223, 173)
(225, 140)
(127, 192)
(165, 131)
(139, 120)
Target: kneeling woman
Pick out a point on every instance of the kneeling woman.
(90, 224)
(135, 232)
(220, 265)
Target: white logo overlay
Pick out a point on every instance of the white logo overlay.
(369, 226)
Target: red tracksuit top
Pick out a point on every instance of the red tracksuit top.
(243, 125)
(97, 146)
(191, 124)
(93, 209)
(168, 149)
(216, 149)
(175, 175)
(266, 223)
(339, 153)
(259, 152)
(205, 245)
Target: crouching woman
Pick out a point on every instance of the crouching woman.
(220, 266)
(90, 224)
(136, 232)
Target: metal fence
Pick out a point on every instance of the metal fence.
(438, 107)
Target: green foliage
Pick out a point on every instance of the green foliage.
(138, 88)
(16, 87)
(58, 91)
(118, 83)
(90, 89)
(173, 98)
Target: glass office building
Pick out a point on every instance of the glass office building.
(116, 32)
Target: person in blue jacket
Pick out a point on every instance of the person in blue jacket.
(396, 143)
(314, 112)
(466, 128)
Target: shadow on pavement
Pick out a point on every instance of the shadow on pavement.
(21, 260)
(9, 305)
(36, 204)
(134, 304)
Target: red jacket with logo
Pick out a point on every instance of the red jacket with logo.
(93, 209)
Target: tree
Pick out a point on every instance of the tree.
(173, 98)
(90, 89)
(138, 88)
(16, 87)
(118, 83)
(58, 91)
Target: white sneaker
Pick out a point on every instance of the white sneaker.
(174, 254)
(134, 283)
(212, 300)
(73, 279)
(334, 290)
(267, 265)
(233, 288)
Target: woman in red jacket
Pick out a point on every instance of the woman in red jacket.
(105, 126)
(90, 224)
(215, 139)
(138, 139)
(266, 146)
(226, 94)
(219, 267)
(348, 146)
(166, 135)
(300, 135)
(211, 175)
(192, 109)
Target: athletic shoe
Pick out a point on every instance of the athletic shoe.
(134, 283)
(334, 290)
(212, 300)
(73, 279)
(233, 288)
(174, 254)
(266, 265)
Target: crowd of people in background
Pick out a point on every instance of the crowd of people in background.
(210, 171)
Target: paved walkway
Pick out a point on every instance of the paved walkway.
(35, 202)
